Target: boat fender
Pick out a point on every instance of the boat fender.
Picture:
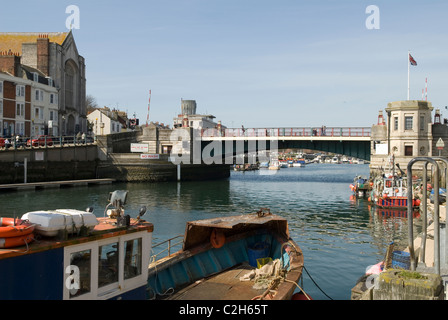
(217, 238)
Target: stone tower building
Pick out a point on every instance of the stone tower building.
(405, 134)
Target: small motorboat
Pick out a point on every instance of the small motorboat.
(230, 257)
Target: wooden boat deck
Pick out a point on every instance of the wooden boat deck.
(225, 285)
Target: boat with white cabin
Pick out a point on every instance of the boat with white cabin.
(70, 254)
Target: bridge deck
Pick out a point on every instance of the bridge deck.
(323, 133)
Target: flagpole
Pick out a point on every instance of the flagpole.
(409, 69)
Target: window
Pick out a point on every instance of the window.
(422, 123)
(80, 269)
(53, 115)
(395, 123)
(20, 109)
(20, 91)
(69, 85)
(20, 128)
(53, 98)
(107, 264)
(1, 109)
(35, 77)
(50, 81)
(103, 268)
(132, 258)
(38, 114)
(1, 87)
(39, 96)
(408, 150)
(408, 123)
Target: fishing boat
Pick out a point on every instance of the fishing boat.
(230, 257)
(73, 255)
(390, 191)
(361, 186)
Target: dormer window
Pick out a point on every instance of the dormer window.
(35, 77)
(50, 81)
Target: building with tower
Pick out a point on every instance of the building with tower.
(405, 132)
(52, 59)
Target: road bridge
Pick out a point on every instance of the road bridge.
(353, 142)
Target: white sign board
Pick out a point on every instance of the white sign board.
(381, 148)
(39, 156)
(440, 144)
(149, 156)
(139, 147)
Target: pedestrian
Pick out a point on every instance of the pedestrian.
(83, 137)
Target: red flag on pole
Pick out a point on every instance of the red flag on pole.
(412, 61)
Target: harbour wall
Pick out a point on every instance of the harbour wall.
(84, 162)
(48, 164)
(129, 167)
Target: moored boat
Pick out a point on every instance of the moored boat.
(390, 191)
(274, 165)
(97, 258)
(361, 186)
(220, 259)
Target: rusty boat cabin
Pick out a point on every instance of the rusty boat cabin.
(217, 253)
(106, 261)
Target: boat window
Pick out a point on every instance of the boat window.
(132, 258)
(82, 260)
(107, 264)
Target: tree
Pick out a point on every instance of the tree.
(91, 103)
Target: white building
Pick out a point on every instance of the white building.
(104, 121)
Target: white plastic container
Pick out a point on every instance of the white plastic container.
(50, 222)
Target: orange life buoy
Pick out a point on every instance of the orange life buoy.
(217, 238)
(16, 241)
(10, 227)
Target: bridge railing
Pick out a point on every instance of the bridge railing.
(288, 132)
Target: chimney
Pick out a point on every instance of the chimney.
(10, 62)
(42, 53)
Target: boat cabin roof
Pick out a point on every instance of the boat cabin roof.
(106, 228)
(199, 231)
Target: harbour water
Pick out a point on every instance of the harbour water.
(340, 236)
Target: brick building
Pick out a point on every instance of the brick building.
(52, 59)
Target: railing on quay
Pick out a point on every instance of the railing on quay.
(288, 132)
(22, 142)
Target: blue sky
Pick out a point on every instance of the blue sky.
(257, 63)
